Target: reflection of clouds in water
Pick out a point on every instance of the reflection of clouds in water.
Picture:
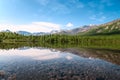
(47, 56)
(69, 57)
(37, 54)
(67, 64)
(91, 58)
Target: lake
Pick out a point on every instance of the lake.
(39, 63)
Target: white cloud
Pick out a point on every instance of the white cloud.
(43, 2)
(107, 2)
(69, 24)
(100, 17)
(54, 7)
(33, 27)
(77, 3)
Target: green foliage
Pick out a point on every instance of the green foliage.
(55, 40)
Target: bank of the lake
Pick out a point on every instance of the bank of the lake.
(99, 41)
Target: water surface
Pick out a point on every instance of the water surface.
(38, 63)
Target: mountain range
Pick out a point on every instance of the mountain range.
(112, 27)
(109, 28)
(26, 33)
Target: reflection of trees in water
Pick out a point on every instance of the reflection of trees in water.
(109, 55)
(105, 54)
(107, 45)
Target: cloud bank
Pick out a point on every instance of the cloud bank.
(32, 27)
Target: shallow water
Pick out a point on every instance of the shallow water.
(58, 64)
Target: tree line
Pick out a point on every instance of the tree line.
(10, 37)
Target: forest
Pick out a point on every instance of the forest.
(60, 40)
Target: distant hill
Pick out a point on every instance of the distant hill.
(77, 30)
(24, 33)
(109, 28)
(36, 33)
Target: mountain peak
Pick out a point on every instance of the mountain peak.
(7, 30)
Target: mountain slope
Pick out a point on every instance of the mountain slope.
(77, 30)
(105, 29)
(24, 33)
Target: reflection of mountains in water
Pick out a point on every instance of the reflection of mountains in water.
(112, 56)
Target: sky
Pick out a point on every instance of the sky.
(48, 15)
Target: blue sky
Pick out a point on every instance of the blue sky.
(47, 15)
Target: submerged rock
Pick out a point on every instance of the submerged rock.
(12, 77)
(2, 73)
